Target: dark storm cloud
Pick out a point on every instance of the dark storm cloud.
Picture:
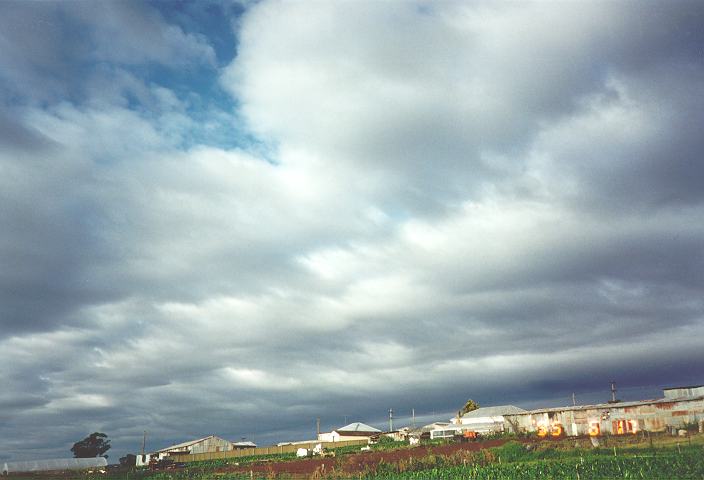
(41, 248)
(17, 137)
(637, 149)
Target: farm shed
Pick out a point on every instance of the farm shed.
(353, 431)
(207, 444)
(684, 392)
(486, 419)
(610, 418)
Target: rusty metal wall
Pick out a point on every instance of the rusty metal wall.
(246, 452)
(684, 392)
(653, 417)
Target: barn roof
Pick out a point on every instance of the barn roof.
(609, 406)
(358, 427)
(246, 443)
(496, 411)
(184, 444)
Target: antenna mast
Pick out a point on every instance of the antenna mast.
(613, 393)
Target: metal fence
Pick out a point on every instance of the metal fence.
(248, 452)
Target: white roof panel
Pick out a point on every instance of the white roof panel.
(358, 427)
(184, 444)
(497, 411)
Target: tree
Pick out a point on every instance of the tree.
(94, 445)
(468, 407)
(129, 460)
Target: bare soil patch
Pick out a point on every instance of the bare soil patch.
(358, 462)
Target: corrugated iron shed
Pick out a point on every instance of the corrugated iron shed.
(613, 418)
(681, 392)
(183, 445)
(609, 405)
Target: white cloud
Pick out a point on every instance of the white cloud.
(460, 197)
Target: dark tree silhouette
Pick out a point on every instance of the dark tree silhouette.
(129, 460)
(94, 445)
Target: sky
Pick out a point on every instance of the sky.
(235, 218)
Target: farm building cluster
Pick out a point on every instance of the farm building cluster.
(209, 444)
(680, 407)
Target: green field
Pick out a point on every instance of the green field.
(511, 461)
(687, 465)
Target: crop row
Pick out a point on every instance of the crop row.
(682, 467)
(689, 466)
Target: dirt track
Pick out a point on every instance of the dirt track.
(359, 462)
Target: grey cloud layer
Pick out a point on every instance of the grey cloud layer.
(449, 100)
(492, 201)
(47, 49)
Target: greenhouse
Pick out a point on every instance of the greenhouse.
(56, 464)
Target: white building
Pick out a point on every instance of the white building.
(485, 420)
(353, 431)
(445, 430)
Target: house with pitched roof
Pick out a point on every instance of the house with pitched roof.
(353, 431)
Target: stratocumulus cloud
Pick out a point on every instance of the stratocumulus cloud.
(233, 219)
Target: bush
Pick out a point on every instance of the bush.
(691, 426)
(512, 452)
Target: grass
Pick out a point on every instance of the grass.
(274, 457)
(682, 465)
(619, 457)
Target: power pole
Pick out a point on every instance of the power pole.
(413, 416)
(144, 441)
(391, 419)
(317, 426)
